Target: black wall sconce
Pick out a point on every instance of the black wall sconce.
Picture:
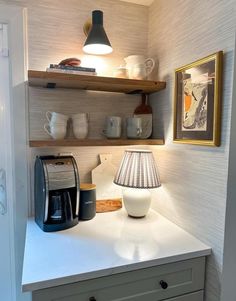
(97, 41)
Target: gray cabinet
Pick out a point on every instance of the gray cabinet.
(180, 281)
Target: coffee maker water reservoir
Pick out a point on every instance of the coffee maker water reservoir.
(56, 192)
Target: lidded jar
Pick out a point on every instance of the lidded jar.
(87, 207)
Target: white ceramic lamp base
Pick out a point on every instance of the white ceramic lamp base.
(136, 201)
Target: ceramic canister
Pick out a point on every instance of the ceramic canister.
(87, 207)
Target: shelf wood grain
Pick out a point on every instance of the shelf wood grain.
(93, 142)
(94, 83)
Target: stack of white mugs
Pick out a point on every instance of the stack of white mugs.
(80, 125)
(57, 125)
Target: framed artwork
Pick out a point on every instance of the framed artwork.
(197, 101)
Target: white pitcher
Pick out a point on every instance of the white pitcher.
(139, 67)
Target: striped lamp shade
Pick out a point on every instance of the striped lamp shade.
(138, 170)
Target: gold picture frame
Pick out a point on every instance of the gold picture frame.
(197, 101)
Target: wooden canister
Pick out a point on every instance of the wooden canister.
(87, 208)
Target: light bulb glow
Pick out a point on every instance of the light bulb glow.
(97, 49)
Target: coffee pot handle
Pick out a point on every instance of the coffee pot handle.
(150, 64)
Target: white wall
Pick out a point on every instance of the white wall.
(229, 266)
(194, 178)
(17, 201)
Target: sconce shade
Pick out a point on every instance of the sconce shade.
(97, 41)
(138, 170)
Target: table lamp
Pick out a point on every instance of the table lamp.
(138, 172)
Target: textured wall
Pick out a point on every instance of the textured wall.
(229, 266)
(194, 178)
(55, 31)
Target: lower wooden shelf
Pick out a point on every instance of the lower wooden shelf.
(94, 142)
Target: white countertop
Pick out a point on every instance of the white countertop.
(108, 244)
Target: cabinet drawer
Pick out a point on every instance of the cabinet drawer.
(198, 296)
(143, 284)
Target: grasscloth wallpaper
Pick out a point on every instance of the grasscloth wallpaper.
(193, 194)
(55, 31)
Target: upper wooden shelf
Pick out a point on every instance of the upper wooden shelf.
(95, 83)
(94, 142)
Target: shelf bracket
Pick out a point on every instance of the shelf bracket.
(51, 85)
(135, 92)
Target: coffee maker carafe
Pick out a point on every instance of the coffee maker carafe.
(56, 192)
(60, 207)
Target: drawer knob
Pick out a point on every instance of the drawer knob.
(163, 284)
(92, 299)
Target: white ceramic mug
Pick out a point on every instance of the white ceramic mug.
(80, 132)
(80, 129)
(80, 117)
(113, 127)
(80, 125)
(134, 127)
(55, 118)
(55, 131)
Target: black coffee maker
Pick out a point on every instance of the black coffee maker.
(56, 192)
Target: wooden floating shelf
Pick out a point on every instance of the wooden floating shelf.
(94, 142)
(94, 83)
